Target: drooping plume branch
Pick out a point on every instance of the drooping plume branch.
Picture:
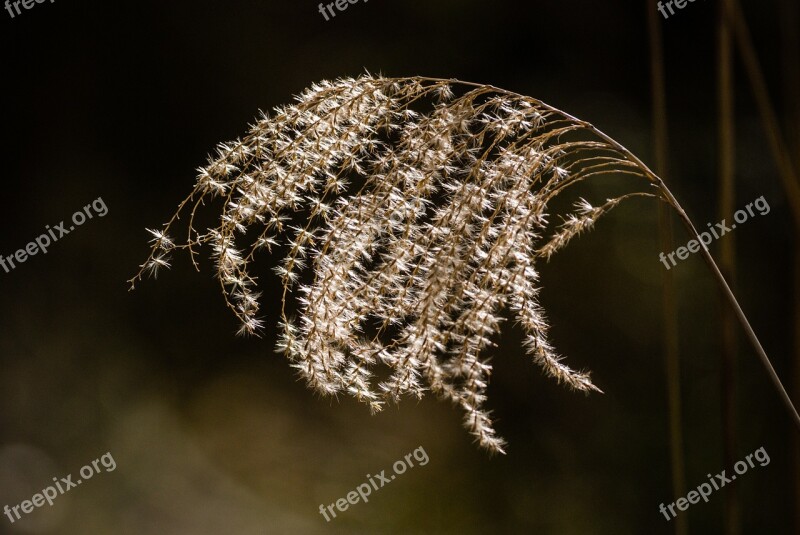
(411, 213)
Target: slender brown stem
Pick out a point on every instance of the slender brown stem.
(751, 335)
(669, 310)
(796, 437)
(727, 258)
(790, 39)
(778, 147)
(723, 284)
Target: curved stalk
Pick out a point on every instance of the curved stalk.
(723, 284)
(673, 202)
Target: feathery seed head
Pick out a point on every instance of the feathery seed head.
(411, 213)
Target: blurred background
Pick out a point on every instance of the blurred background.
(214, 434)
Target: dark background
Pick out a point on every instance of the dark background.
(213, 433)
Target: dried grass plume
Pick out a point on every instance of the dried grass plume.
(410, 213)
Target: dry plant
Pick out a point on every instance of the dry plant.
(411, 213)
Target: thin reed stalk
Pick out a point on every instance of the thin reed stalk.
(790, 39)
(781, 153)
(727, 199)
(667, 243)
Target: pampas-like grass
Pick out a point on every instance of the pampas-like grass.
(412, 212)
